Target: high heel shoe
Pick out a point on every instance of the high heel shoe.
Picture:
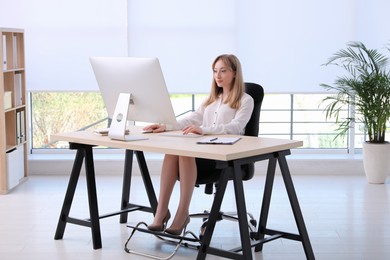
(162, 226)
(176, 232)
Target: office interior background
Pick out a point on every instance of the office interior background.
(281, 44)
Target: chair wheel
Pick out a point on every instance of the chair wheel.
(252, 235)
(202, 230)
(207, 213)
(253, 222)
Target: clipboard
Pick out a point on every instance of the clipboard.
(219, 140)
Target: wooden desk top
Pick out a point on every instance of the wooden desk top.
(185, 146)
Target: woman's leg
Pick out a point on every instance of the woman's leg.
(168, 178)
(188, 175)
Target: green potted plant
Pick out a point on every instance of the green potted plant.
(366, 88)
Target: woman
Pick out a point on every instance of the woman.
(227, 110)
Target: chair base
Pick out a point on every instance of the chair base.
(231, 216)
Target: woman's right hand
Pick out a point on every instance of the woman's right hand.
(155, 128)
(192, 129)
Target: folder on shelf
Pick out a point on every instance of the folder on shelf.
(4, 61)
(17, 128)
(20, 127)
(18, 90)
(15, 51)
(22, 133)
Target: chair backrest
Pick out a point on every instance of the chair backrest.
(257, 93)
(207, 173)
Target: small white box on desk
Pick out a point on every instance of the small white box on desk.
(15, 166)
(7, 99)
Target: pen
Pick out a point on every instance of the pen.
(213, 139)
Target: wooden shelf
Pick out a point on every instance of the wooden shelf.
(13, 139)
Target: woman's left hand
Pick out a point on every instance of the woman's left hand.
(192, 129)
(155, 128)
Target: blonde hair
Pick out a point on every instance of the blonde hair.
(237, 89)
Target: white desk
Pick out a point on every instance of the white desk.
(230, 157)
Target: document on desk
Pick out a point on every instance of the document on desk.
(218, 140)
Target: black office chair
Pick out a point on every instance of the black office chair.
(208, 175)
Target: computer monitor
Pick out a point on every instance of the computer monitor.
(141, 78)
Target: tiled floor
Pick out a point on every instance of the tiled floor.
(346, 219)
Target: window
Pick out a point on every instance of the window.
(290, 116)
(57, 112)
(300, 117)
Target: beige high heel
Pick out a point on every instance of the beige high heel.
(177, 232)
(162, 226)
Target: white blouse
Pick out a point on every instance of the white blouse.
(220, 118)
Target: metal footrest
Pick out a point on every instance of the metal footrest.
(231, 216)
(182, 240)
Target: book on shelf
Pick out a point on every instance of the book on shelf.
(20, 127)
(18, 89)
(7, 100)
(15, 51)
(4, 61)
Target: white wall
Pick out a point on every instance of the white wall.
(185, 35)
(281, 43)
(373, 23)
(60, 36)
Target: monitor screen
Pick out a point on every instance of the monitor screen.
(140, 77)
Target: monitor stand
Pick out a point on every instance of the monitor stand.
(117, 129)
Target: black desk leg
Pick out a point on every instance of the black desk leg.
(74, 176)
(269, 183)
(83, 152)
(295, 207)
(241, 211)
(126, 184)
(125, 202)
(205, 243)
(92, 198)
(147, 180)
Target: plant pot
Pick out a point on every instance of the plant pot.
(376, 161)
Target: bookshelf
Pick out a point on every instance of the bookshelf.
(13, 141)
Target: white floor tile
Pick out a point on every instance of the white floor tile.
(346, 219)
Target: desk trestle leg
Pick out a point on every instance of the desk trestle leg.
(126, 206)
(304, 237)
(262, 229)
(74, 176)
(83, 152)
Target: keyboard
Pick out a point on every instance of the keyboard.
(180, 134)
